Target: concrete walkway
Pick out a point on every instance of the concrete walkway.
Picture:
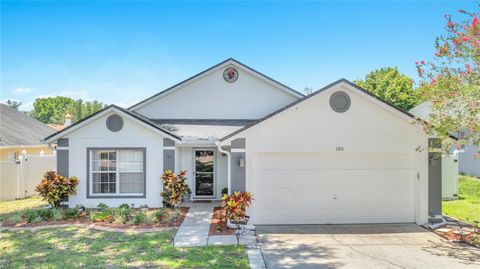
(194, 230)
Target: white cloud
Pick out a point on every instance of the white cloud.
(21, 90)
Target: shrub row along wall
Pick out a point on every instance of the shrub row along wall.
(18, 179)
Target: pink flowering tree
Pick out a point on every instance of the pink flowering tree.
(451, 82)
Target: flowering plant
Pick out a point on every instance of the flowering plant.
(451, 82)
(236, 205)
(54, 188)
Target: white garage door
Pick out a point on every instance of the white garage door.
(316, 188)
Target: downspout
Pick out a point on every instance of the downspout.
(219, 146)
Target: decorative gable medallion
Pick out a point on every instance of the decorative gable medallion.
(230, 75)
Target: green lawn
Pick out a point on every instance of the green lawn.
(86, 248)
(467, 207)
(8, 208)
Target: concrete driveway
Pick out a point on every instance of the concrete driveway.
(362, 246)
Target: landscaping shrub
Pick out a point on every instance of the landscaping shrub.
(102, 206)
(45, 213)
(174, 187)
(16, 218)
(72, 213)
(121, 215)
(139, 217)
(224, 191)
(149, 220)
(161, 215)
(54, 188)
(124, 206)
(57, 214)
(32, 215)
(236, 205)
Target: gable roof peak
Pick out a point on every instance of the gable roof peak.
(213, 68)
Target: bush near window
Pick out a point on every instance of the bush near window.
(236, 205)
(174, 187)
(54, 188)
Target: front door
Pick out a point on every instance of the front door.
(204, 172)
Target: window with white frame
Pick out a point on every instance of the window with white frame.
(117, 172)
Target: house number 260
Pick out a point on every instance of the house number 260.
(340, 149)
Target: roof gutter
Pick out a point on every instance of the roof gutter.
(229, 179)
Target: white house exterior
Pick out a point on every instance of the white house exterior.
(339, 155)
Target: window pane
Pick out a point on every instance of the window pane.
(130, 161)
(104, 183)
(204, 184)
(204, 160)
(131, 182)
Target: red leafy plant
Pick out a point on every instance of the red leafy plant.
(174, 187)
(54, 188)
(236, 205)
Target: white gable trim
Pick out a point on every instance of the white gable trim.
(207, 72)
(111, 109)
(342, 83)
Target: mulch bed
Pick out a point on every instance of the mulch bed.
(85, 219)
(218, 225)
(451, 232)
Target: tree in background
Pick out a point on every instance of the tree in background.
(14, 104)
(451, 82)
(52, 110)
(391, 86)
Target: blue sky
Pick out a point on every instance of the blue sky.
(123, 52)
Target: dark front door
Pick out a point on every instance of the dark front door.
(204, 172)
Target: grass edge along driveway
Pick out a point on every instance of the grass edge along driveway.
(73, 247)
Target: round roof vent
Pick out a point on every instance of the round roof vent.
(114, 123)
(340, 101)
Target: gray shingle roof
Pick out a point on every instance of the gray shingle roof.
(17, 128)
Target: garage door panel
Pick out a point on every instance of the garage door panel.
(394, 215)
(314, 197)
(277, 197)
(353, 215)
(393, 196)
(268, 215)
(394, 177)
(314, 161)
(314, 215)
(277, 179)
(278, 161)
(353, 178)
(353, 196)
(313, 178)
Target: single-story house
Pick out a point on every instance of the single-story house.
(468, 164)
(338, 155)
(20, 133)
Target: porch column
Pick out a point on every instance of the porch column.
(168, 154)
(237, 164)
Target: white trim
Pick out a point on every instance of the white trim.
(229, 173)
(168, 148)
(99, 115)
(239, 150)
(24, 146)
(199, 76)
(62, 148)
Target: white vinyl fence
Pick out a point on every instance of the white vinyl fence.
(19, 178)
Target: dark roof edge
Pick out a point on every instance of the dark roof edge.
(313, 94)
(209, 69)
(128, 112)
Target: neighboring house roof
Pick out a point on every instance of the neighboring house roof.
(315, 93)
(120, 110)
(17, 128)
(202, 128)
(423, 110)
(227, 62)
